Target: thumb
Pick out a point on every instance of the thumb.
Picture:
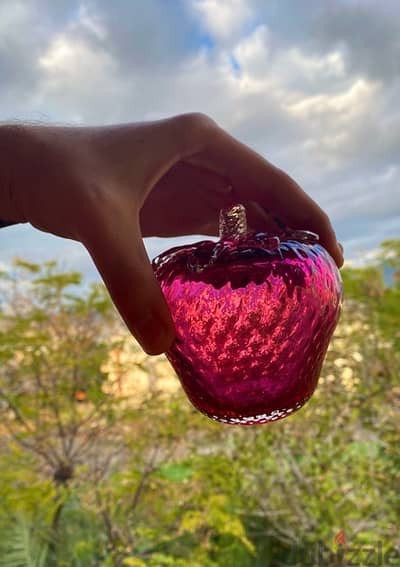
(122, 261)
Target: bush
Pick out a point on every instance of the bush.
(105, 463)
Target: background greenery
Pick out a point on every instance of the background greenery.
(103, 462)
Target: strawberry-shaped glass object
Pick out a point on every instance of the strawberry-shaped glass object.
(254, 314)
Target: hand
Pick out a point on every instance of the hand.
(107, 187)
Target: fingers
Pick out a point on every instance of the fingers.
(118, 252)
(183, 201)
(259, 219)
(254, 178)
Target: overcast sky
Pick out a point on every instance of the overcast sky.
(314, 86)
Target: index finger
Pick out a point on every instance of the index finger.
(254, 178)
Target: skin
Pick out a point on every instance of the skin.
(108, 187)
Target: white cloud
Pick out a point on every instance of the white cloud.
(222, 18)
(345, 105)
(73, 67)
(252, 53)
(11, 16)
(369, 199)
(311, 66)
(75, 59)
(75, 74)
(92, 22)
(302, 103)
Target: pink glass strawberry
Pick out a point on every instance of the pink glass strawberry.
(254, 314)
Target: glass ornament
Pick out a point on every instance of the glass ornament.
(254, 314)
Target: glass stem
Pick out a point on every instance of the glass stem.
(232, 222)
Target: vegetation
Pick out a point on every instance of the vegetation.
(103, 462)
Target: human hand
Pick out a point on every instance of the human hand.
(107, 187)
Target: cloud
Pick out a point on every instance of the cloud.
(375, 199)
(74, 75)
(367, 32)
(312, 86)
(223, 19)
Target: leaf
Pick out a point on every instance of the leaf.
(133, 562)
(362, 450)
(176, 472)
(23, 547)
(27, 266)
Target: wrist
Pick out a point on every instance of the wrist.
(14, 171)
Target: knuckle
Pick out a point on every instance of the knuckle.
(194, 127)
(326, 221)
(196, 120)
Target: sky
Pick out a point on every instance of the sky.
(313, 86)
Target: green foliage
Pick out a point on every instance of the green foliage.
(22, 546)
(366, 287)
(157, 484)
(363, 282)
(176, 472)
(390, 253)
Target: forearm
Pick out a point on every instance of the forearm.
(15, 163)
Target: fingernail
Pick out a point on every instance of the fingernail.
(339, 249)
(154, 334)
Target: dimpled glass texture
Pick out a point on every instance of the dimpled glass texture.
(254, 314)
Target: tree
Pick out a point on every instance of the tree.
(55, 338)
(158, 484)
(53, 343)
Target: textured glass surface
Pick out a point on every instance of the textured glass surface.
(254, 314)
